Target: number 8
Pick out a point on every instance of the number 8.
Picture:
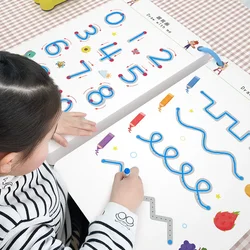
(101, 95)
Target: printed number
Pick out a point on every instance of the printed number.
(100, 95)
(154, 59)
(46, 69)
(115, 13)
(55, 47)
(69, 104)
(87, 33)
(109, 55)
(134, 75)
(87, 69)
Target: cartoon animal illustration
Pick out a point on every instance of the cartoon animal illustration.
(225, 221)
(191, 44)
(221, 68)
(132, 2)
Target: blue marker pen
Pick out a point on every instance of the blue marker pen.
(127, 171)
(192, 83)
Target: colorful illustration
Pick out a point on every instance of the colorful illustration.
(132, 2)
(60, 64)
(165, 101)
(191, 44)
(104, 142)
(86, 49)
(187, 246)
(135, 52)
(161, 218)
(247, 190)
(218, 196)
(235, 121)
(105, 74)
(225, 221)
(221, 68)
(192, 83)
(30, 54)
(135, 121)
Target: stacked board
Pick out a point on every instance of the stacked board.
(191, 144)
(112, 60)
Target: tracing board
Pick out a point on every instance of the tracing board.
(191, 144)
(105, 60)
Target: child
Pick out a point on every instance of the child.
(34, 210)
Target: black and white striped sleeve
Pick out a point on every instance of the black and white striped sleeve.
(115, 229)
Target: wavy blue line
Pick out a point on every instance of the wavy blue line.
(235, 121)
(204, 137)
(186, 168)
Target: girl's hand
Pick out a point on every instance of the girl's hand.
(73, 123)
(128, 191)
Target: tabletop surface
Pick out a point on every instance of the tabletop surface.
(225, 25)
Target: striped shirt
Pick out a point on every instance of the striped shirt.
(34, 215)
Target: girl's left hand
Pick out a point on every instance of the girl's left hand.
(73, 123)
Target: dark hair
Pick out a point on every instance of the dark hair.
(30, 102)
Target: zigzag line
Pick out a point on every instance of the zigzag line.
(153, 216)
(225, 113)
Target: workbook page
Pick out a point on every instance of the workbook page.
(113, 59)
(191, 144)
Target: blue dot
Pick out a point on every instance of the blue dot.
(127, 171)
(170, 242)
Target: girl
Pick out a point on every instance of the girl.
(34, 204)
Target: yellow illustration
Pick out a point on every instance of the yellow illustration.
(86, 49)
(48, 4)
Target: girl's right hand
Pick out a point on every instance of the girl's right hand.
(128, 190)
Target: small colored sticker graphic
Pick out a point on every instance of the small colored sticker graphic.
(104, 142)
(30, 54)
(247, 190)
(225, 221)
(60, 64)
(191, 44)
(105, 74)
(187, 246)
(86, 49)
